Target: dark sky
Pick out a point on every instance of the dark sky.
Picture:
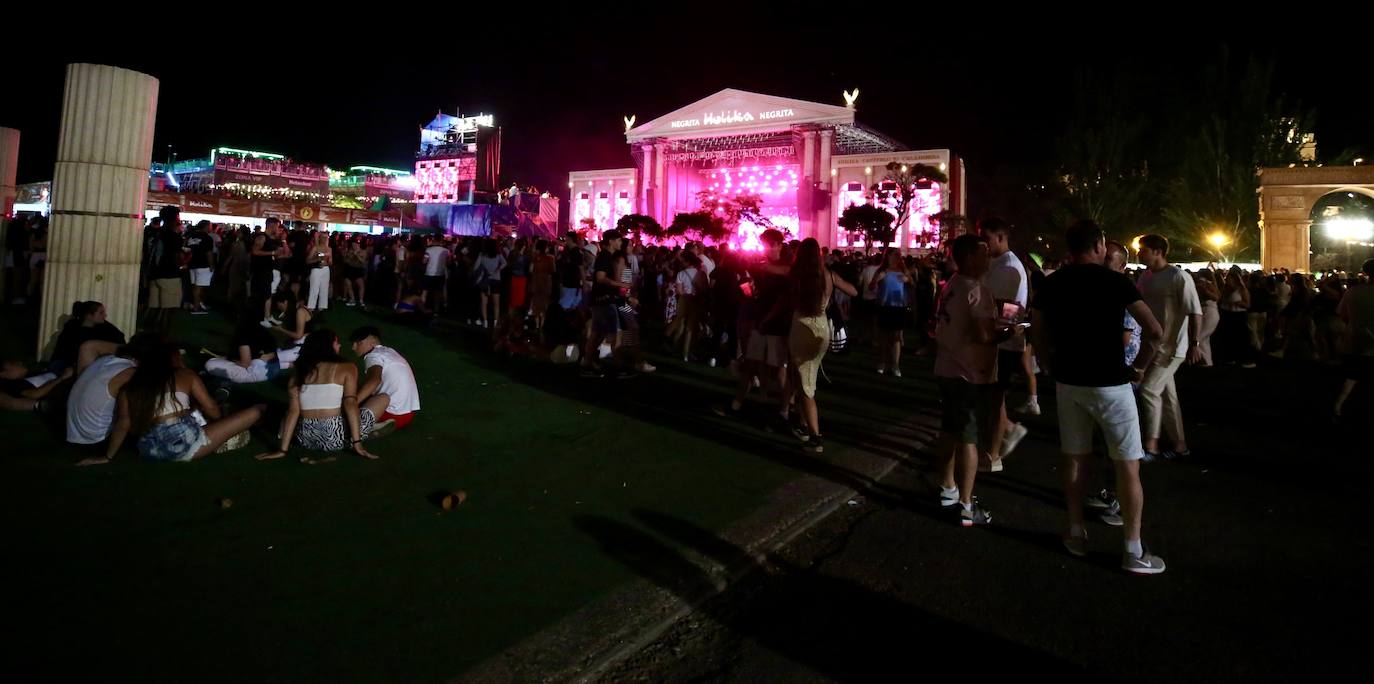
(999, 102)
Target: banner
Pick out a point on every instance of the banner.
(237, 207)
(362, 218)
(333, 215)
(281, 210)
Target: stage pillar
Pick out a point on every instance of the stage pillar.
(806, 211)
(9, 163)
(825, 231)
(661, 185)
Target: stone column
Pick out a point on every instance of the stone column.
(660, 186)
(1286, 244)
(825, 218)
(100, 183)
(806, 212)
(9, 162)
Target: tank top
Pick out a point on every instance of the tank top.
(173, 403)
(321, 396)
(90, 408)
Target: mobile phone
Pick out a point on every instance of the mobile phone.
(1011, 311)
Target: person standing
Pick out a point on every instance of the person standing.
(1357, 310)
(1007, 282)
(318, 258)
(164, 292)
(966, 358)
(812, 285)
(1076, 334)
(263, 267)
(889, 284)
(201, 247)
(1173, 299)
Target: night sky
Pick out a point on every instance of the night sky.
(999, 102)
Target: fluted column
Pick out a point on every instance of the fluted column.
(99, 186)
(9, 161)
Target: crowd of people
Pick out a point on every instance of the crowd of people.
(1111, 339)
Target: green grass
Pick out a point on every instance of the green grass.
(348, 570)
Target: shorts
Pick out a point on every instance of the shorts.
(491, 286)
(893, 318)
(354, 272)
(164, 293)
(434, 283)
(402, 420)
(200, 277)
(607, 319)
(175, 440)
(331, 434)
(769, 350)
(570, 298)
(1111, 408)
(808, 343)
(1008, 363)
(962, 407)
(1358, 368)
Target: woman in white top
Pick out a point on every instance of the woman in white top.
(690, 287)
(323, 413)
(163, 403)
(318, 260)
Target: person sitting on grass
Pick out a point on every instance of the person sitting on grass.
(389, 374)
(87, 324)
(296, 322)
(253, 359)
(323, 413)
(167, 406)
(21, 392)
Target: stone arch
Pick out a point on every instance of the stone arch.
(1286, 199)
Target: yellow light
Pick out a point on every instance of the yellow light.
(1135, 244)
(1218, 240)
(834, 172)
(903, 168)
(868, 170)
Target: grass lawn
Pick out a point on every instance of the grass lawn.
(348, 570)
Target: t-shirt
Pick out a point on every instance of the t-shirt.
(772, 291)
(200, 245)
(1082, 306)
(891, 290)
(963, 304)
(490, 267)
(1006, 279)
(436, 260)
(1172, 297)
(15, 388)
(398, 380)
(168, 262)
(263, 265)
(605, 263)
(865, 279)
(1357, 306)
(689, 280)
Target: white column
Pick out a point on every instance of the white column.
(826, 216)
(100, 183)
(646, 180)
(9, 162)
(661, 185)
(806, 211)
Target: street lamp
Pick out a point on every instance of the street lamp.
(1219, 239)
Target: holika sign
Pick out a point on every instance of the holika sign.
(733, 116)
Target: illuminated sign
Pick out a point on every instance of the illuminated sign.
(733, 116)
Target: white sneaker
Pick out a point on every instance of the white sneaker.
(949, 497)
(896, 372)
(646, 367)
(1030, 408)
(1014, 435)
(882, 371)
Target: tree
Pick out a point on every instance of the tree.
(732, 210)
(639, 225)
(698, 226)
(1241, 127)
(874, 223)
(905, 180)
(948, 225)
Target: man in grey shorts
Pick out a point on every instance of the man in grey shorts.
(1077, 340)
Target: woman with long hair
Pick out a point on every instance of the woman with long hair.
(690, 286)
(162, 403)
(87, 324)
(519, 276)
(541, 283)
(1210, 294)
(354, 273)
(322, 413)
(811, 287)
(893, 311)
(1233, 331)
(487, 277)
(317, 261)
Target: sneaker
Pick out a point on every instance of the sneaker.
(1145, 564)
(625, 374)
(882, 371)
(976, 516)
(646, 367)
(235, 442)
(1102, 499)
(802, 434)
(383, 428)
(896, 372)
(991, 467)
(1151, 457)
(1030, 408)
(1248, 364)
(1014, 435)
(711, 363)
(199, 312)
(1171, 455)
(1112, 515)
(814, 445)
(949, 497)
(267, 323)
(1076, 546)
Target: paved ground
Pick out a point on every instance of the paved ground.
(1264, 534)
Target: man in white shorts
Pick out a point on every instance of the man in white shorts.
(201, 249)
(1077, 340)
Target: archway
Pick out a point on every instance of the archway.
(1287, 198)
(1342, 229)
